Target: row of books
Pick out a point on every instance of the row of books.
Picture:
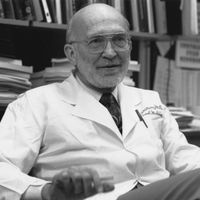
(50, 11)
(178, 17)
(152, 16)
(176, 85)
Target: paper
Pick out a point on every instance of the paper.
(120, 188)
(163, 47)
(166, 80)
(188, 54)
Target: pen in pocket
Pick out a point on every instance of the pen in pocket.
(140, 117)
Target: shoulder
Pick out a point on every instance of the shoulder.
(40, 92)
(36, 97)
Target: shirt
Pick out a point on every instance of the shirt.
(55, 126)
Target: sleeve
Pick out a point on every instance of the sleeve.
(180, 156)
(20, 142)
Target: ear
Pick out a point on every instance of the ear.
(70, 53)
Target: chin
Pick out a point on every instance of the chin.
(111, 83)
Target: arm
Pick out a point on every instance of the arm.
(20, 143)
(72, 183)
(180, 155)
(20, 139)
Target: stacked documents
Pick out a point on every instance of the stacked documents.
(183, 116)
(14, 79)
(59, 71)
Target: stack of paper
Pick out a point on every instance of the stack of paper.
(60, 70)
(134, 66)
(14, 79)
(183, 117)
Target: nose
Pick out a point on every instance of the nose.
(109, 52)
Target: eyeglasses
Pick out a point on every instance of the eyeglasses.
(97, 44)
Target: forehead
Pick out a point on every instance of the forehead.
(98, 19)
(90, 28)
(105, 27)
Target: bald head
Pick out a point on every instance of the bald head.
(93, 15)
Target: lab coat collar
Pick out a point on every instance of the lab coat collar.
(87, 107)
(130, 100)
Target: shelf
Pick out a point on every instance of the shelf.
(44, 25)
(35, 43)
(150, 36)
(14, 22)
(63, 27)
(34, 24)
(160, 37)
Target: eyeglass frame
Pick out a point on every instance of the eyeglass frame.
(107, 38)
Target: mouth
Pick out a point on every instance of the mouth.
(110, 66)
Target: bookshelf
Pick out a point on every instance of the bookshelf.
(35, 43)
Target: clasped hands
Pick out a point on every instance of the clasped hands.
(75, 183)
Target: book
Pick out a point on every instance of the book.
(69, 10)
(135, 20)
(189, 17)
(15, 73)
(2, 15)
(128, 13)
(52, 10)
(142, 15)
(11, 60)
(46, 12)
(50, 75)
(150, 17)
(174, 17)
(17, 4)
(8, 9)
(14, 67)
(37, 10)
(14, 79)
(58, 11)
(198, 15)
(28, 10)
(117, 5)
(160, 16)
(80, 4)
(60, 70)
(6, 98)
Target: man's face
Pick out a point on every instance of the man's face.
(107, 68)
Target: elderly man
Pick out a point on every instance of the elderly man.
(73, 139)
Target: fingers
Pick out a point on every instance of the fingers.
(89, 187)
(107, 187)
(77, 183)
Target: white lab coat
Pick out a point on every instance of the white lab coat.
(52, 127)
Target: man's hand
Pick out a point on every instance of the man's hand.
(75, 183)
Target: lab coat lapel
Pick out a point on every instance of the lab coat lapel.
(129, 101)
(86, 106)
(89, 108)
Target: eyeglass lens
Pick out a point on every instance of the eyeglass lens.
(119, 42)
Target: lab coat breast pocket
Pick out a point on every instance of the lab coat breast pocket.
(146, 143)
